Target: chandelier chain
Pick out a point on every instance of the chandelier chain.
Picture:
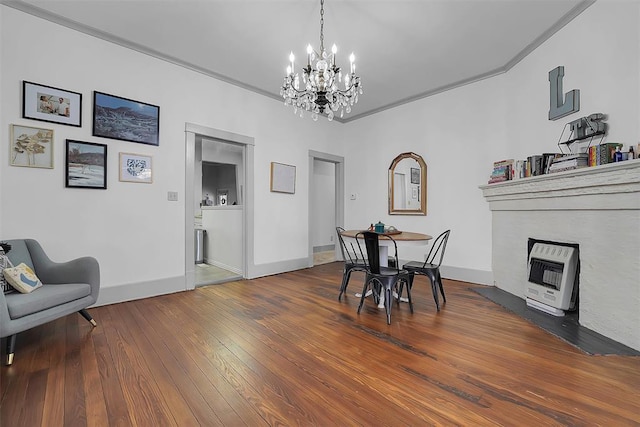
(321, 25)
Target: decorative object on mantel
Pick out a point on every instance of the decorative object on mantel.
(583, 128)
(320, 79)
(557, 106)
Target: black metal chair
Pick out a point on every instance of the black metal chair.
(351, 261)
(431, 267)
(383, 279)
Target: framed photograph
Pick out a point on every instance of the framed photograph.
(415, 176)
(135, 168)
(31, 147)
(50, 104)
(125, 119)
(85, 165)
(283, 178)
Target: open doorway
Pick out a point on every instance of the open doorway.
(218, 216)
(326, 206)
(223, 222)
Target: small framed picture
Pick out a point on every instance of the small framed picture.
(85, 165)
(135, 168)
(50, 104)
(125, 119)
(31, 147)
(283, 178)
(415, 176)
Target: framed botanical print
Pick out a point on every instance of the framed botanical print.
(31, 147)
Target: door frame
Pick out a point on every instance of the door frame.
(338, 161)
(193, 133)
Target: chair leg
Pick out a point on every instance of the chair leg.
(364, 295)
(345, 282)
(444, 298)
(434, 288)
(87, 316)
(409, 298)
(388, 294)
(11, 345)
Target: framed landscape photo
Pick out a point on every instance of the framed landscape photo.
(125, 119)
(283, 178)
(85, 165)
(415, 176)
(31, 147)
(50, 104)
(136, 168)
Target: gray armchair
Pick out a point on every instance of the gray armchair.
(67, 287)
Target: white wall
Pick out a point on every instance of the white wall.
(134, 232)
(461, 132)
(458, 134)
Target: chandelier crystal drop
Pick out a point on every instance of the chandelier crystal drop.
(318, 89)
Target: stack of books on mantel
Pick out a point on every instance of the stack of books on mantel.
(569, 162)
(502, 171)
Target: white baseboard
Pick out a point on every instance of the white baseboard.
(480, 277)
(169, 285)
(133, 291)
(277, 267)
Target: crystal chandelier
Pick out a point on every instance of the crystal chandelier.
(318, 91)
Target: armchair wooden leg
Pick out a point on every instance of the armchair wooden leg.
(11, 345)
(87, 316)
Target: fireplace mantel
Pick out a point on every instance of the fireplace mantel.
(596, 207)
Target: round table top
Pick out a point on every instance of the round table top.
(404, 236)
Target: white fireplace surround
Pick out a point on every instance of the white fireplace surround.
(596, 207)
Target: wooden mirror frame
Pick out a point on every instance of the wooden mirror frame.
(423, 185)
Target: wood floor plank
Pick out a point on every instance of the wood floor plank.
(282, 350)
(55, 354)
(190, 404)
(96, 409)
(119, 414)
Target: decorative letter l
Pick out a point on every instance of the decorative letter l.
(557, 107)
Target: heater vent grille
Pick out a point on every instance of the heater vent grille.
(552, 274)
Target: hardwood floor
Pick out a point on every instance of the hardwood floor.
(281, 350)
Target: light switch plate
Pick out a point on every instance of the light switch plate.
(172, 196)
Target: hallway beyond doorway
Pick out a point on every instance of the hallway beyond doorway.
(207, 274)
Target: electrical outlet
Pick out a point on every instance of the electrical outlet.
(172, 196)
(331, 238)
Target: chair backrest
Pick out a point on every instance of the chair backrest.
(19, 253)
(372, 246)
(349, 254)
(436, 253)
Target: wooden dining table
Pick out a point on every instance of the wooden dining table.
(402, 238)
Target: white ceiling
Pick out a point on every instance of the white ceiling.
(405, 49)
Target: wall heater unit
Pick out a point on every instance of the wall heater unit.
(552, 277)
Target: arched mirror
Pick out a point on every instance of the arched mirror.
(408, 185)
